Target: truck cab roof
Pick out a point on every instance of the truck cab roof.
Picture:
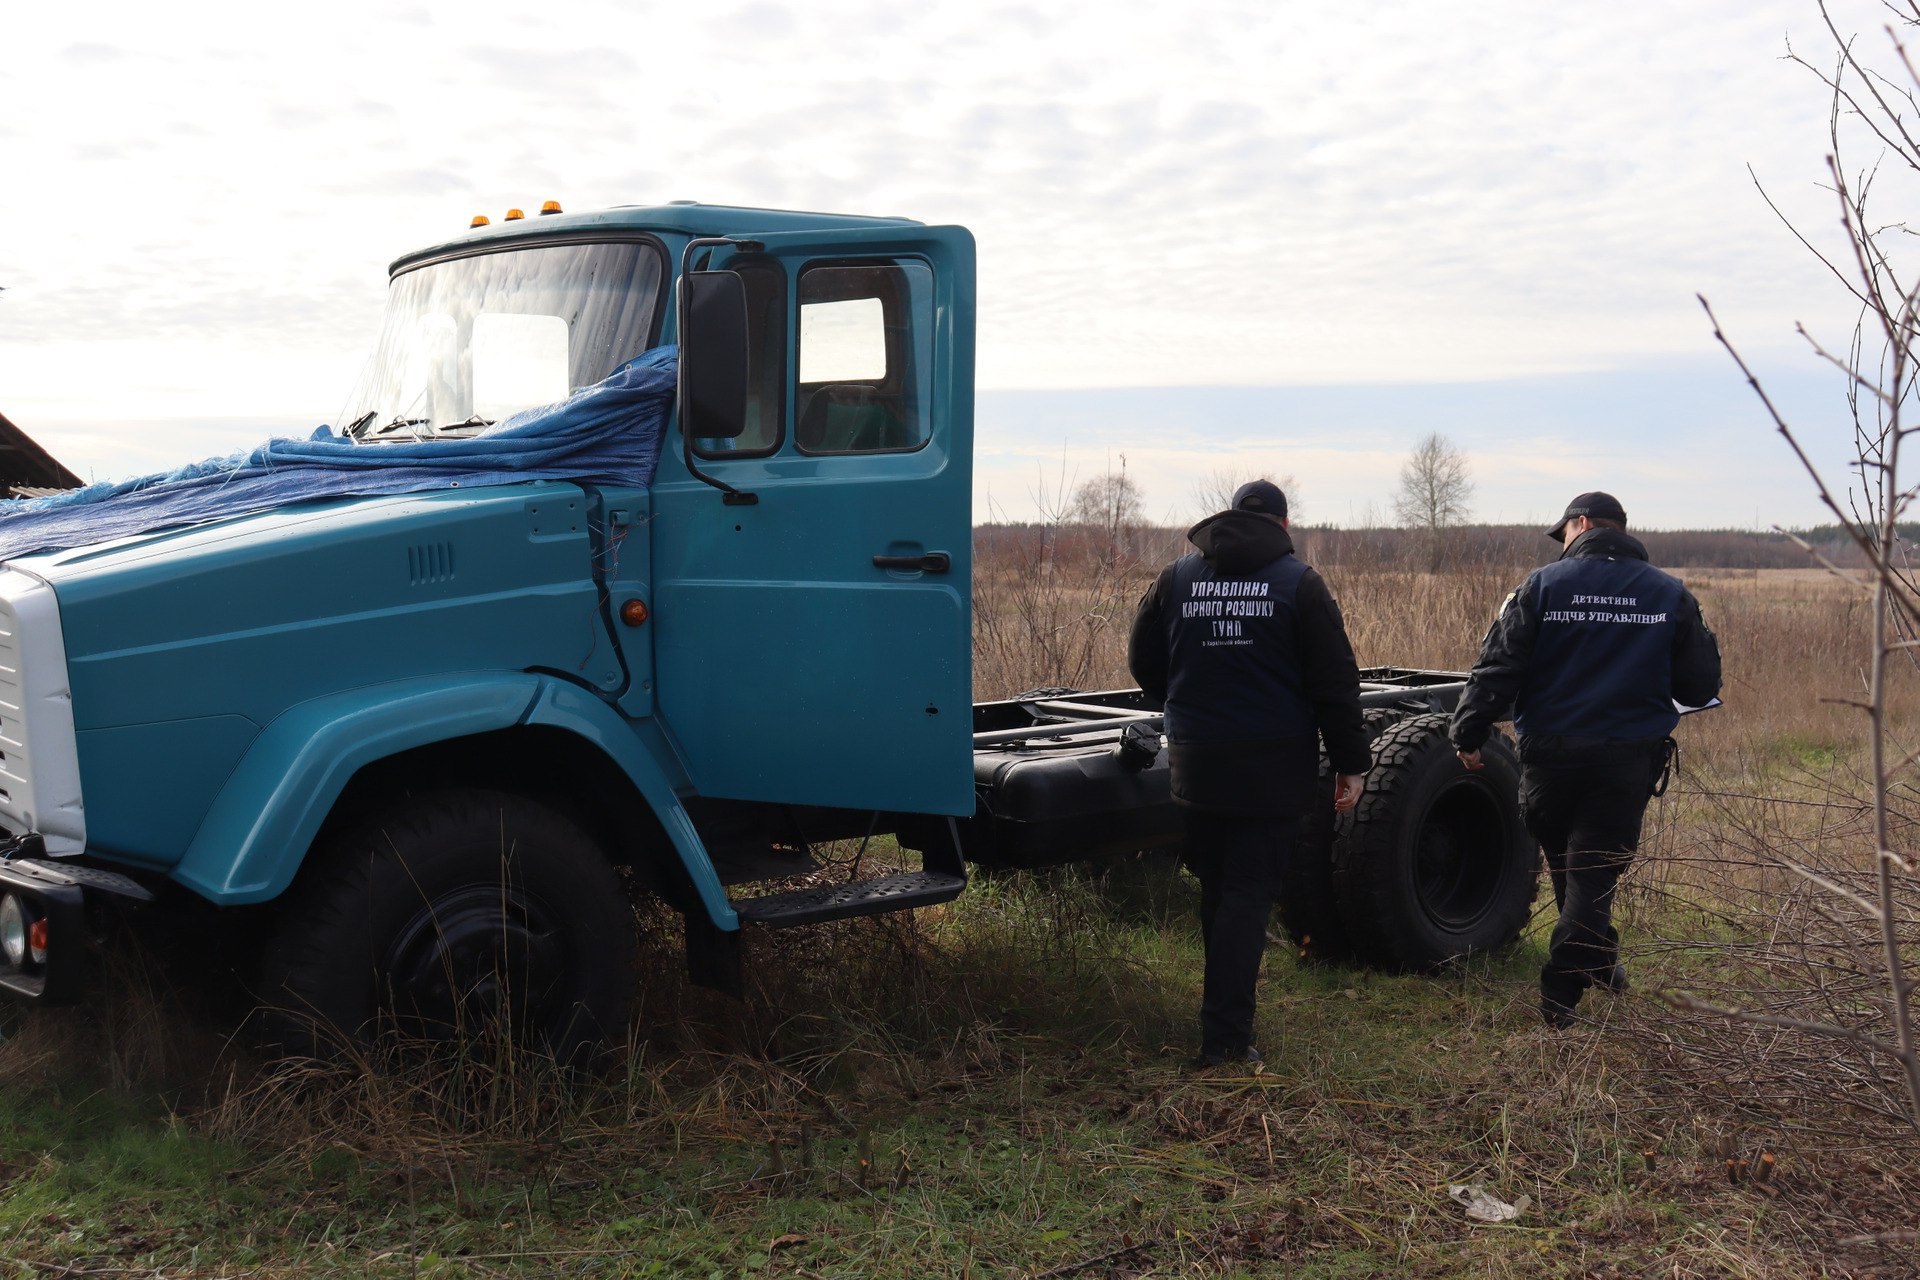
(678, 217)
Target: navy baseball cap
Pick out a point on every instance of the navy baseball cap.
(1595, 506)
(1262, 497)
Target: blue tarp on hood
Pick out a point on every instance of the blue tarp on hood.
(608, 433)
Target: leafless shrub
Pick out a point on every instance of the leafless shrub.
(1052, 600)
(1214, 491)
(1820, 969)
(1760, 903)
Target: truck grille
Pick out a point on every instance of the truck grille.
(14, 760)
(39, 752)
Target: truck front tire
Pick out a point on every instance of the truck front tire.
(453, 915)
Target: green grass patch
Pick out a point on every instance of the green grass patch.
(1814, 755)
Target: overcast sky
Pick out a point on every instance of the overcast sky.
(1273, 236)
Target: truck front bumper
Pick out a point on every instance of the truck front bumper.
(49, 913)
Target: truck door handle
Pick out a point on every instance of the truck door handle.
(932, 562)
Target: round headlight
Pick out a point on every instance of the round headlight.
(13, 931)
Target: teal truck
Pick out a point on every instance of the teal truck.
(427, 731)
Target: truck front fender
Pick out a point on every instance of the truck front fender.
(265, 818)
(644, 755)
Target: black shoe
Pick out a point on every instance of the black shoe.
(1207, 1061)
(1557, 1015)
(1616, 983)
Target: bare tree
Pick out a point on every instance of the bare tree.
(1111, 501)
(1435, 485)
(1214, 491)
(1877, 911)
(1111, 508)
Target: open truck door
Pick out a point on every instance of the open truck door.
(812, 615)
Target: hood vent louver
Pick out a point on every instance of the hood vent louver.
(430, 562)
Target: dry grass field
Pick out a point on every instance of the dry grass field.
(1715, 914)
(1794, 643)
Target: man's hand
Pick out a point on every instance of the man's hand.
(1346, 791)
(1470, 759)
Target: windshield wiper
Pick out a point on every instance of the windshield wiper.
(398, 424)
(358, 427)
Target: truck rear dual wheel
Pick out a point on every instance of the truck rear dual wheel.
(1308, 908)
(456, 915)
(1434, 863)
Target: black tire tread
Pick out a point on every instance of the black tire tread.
(1309, 910)
(323, 918)
(1369, 882)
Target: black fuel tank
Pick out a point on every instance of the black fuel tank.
(1037, 805)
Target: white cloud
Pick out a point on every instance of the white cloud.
(1410, 191)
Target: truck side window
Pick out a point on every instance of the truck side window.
(766, 361)
(865, 378)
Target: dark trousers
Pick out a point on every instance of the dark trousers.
(1585, 807)
(1237, 860)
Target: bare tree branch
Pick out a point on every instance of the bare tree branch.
(1862, 99)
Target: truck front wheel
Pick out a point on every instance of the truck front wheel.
(455, 915)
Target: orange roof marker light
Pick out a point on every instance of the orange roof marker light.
(479, 220)
(514, 215)
(551, 206)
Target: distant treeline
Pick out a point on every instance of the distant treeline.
(1466, 546)
(1518, 545)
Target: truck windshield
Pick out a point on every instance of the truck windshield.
(467, 341)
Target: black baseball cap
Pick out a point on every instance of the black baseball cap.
(1595, 506)
(1263, 497)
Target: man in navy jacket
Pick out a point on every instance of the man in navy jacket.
(1591, 653)
(1247, 650)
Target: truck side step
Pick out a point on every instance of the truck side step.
(896, 892)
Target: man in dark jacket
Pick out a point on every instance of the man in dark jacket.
(1247, 650)
(1591, 653)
